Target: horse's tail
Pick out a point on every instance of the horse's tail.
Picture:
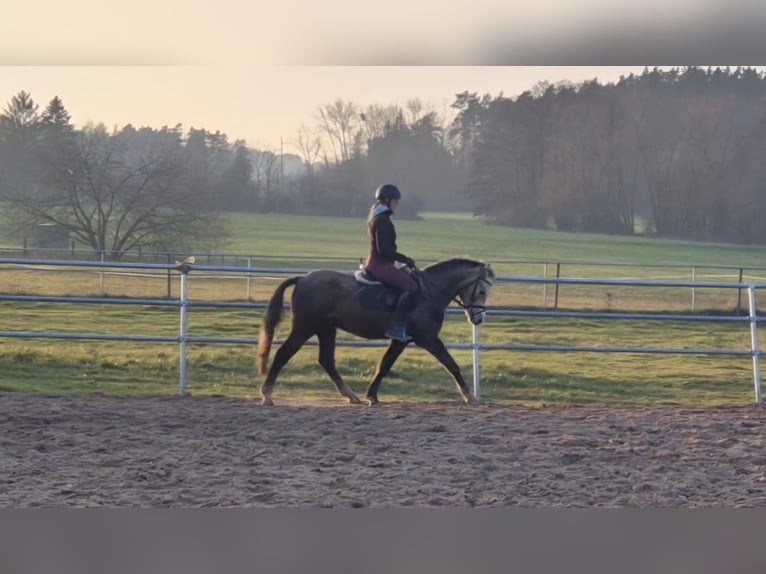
(270, 321)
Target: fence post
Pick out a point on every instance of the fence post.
(545, 286)
(754, 347)
(556, 298)
(739, 294)
(183, 337)
(169, 260)
(694, 280)
(476, 362)
(249, 266)
(101, 274)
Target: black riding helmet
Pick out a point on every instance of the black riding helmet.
(388, 191)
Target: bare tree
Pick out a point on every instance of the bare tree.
(416, 110)
(309, 147)
(339, 121)
(266, 174)
(376, 119)
(446, 119)
(714, 142)
(115, 198)
(660, 145)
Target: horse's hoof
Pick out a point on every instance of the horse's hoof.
(372, 401)
(267, 402)
(469, 400)
(353, 400)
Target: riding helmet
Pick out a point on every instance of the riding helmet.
(388, 191)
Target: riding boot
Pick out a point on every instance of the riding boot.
(398, 327)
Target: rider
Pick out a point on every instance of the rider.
(383, 255)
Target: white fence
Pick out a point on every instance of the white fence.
(476, 346)
(544, 269)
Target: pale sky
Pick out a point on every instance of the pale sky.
(187, 32)
(258, 70)
(260, 104)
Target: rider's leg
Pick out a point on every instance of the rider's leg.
(404, 306)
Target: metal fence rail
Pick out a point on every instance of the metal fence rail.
(742, 274)
(183, 303)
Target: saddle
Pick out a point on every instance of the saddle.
(373, 294)
(365, 276)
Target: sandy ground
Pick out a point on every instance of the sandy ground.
(215, 451)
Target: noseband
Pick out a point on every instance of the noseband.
(472, 308)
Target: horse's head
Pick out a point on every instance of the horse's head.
(465, 281)
(473, 293)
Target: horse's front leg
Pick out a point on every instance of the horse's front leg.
(435, 346)
(395, 349)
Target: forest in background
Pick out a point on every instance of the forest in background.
(679, 151)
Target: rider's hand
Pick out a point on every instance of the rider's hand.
(410, 262)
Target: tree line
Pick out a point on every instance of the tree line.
(165, 189)
(679, 152)
(675, 153)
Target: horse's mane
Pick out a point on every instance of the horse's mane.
(460, 261)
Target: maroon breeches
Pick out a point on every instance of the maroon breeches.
(390, 275)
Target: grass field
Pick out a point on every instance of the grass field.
(507, 377)
(442, 235)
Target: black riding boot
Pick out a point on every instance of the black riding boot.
(398, 327)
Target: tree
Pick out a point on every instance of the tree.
(586, 184)
(115, 198)
(504, 163)
(411, 157)
(19, 141)
(56, 118)
(266, 177)
(207, 155)
(57, 151)
(20, 113)
(309, 146)
(339, 121)
(375, 118)
(236, 188)
(467, 125)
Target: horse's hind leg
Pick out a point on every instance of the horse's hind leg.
(292, 344)
(395, 349)
(326, 339)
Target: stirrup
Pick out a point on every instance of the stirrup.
(398, 332)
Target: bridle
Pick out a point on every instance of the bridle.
(472, 308)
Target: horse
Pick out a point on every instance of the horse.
(324, 301)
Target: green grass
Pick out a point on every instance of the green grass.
(442, 235)
(534, 378)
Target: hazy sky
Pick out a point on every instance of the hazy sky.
(261, 103)
(342, 31)
(258, 70)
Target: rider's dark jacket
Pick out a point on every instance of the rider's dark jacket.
(383, 252)
(383, 236)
